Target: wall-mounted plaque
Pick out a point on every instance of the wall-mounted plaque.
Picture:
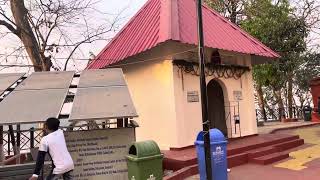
(237, 95)
(193, 96)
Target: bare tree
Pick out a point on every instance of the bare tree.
(231, 9)
(309, 11)
(50, 29)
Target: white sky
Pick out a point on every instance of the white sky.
(128, 9)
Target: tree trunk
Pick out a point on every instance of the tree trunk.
(261, 102)
(278, 96)
(268, 109)
(233, 15)
(20, 15)
(290, 95)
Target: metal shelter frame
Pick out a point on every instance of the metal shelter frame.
(21, 94)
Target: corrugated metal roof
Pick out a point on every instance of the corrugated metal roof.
(162, 20)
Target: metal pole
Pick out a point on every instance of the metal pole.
(1, 146)
(13, 140)
(18, 143)
(203, 89)
(9, 140)
(32, 138)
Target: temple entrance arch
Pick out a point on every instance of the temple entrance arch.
(216, 107)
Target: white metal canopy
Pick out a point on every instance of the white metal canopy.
(7, 80)
(100, 94)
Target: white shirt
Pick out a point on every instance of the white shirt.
(55, 144)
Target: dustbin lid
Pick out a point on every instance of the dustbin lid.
(215, 136)
(307, 108)
(144, 149)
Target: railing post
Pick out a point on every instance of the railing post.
(13, 140)
(235, 126)
(119, 123)
(280, 114)
(32, 137)
(126, 122)
(1, 146)
(9, 147)
(18, 143)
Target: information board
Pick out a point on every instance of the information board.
(193, 96)
(100, 154)
(237, 95)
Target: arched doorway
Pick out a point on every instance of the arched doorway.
(216, 110)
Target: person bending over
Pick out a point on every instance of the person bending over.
(54, 144)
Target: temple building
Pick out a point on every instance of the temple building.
(157, 51)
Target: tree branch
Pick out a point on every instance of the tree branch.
(38, 34)
(10, 27)
(6, 17)
(87, 40)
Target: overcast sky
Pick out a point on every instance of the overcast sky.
(127, 8)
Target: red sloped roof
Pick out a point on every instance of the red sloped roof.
(162, 20)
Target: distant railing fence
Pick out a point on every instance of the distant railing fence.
(277, 114)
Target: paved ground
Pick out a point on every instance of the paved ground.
(301, 158)
(304, 163)
(268, 127)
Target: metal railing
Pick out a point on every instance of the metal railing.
(233, 119)
(276, 114)
(28, 139)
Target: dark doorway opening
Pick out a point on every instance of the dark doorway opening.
(216, 109)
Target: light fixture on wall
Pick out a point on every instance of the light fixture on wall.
(215, 57)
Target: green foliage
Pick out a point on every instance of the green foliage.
(217, 5)
(274, 25)
(268, 75)
(231, 9)
(278, 25)
(309, 69)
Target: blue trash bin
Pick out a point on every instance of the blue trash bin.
(218, 148)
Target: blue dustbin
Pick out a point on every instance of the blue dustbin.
(218, 147)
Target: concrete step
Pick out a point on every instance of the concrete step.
(262, 152)
(271, 158)
(237, 160)
(262, 144)
(274, 153)
(289, 145)
(239, 153)
(176, 164)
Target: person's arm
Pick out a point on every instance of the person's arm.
(40, 163)
(43, 149)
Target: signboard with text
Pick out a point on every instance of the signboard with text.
(100, 154)
(237, 95)
(193, 96)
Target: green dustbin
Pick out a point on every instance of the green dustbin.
(145, 161)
